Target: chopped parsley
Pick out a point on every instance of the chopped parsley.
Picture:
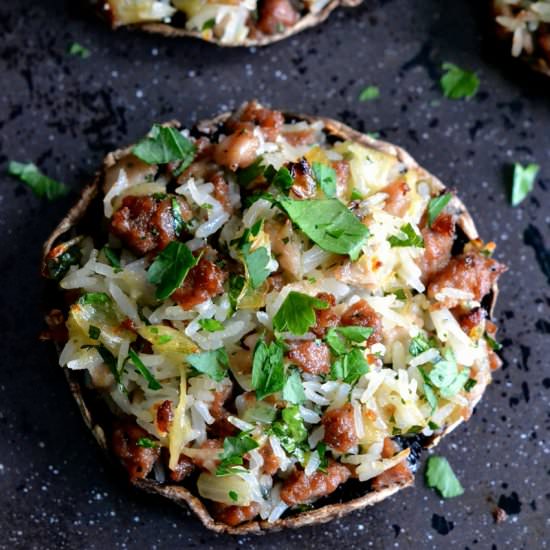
(293, 390)
(179, 224)
(268, 372)
(470, 385)
(326, 179)
(95, 299)
(113, 257)
(419, 344)
(440, 476)
(209, 24)
(323, 458)
(436, 206)
(211, 325)
(328, 223)
(492, 343)
(146, 443)
(164, 145)
(445, 377)
(79, 50)
(349, 367)
(110, 360)
(291, 432)
(213, 363)
(94, 332)
(340, 339)
(369, 93)
(58, 267)
(234, 449)
(41, 185)
(152, 382)
(523, 182)
(256, 261)
(297, 313)
(457, 83)
(232, 494)
(245, 176)
(281, 178)
(407, 237)
(236, 286)
(170, 268)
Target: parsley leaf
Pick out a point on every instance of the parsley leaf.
(232, 494)
(293, 391)
(211, 325)
(146, 443)
(407, 237)
(234, 448)
(281, 178)
(236, 285)
(323, 458)
(79, 50)
(429, 393)
(152, 382)
(170, 268)
(41, 185)
(213, 363)
(369, 93)
(268, 370)
(209, 24)
(440, 476)
(457, 83)
(326, 178)
(353, 334)
(111, 362)
(58, 266)
(95, 299)
(328, 223)
(349, 367)
(470, 384)
(164, 145)
(256, 265)
(436, 206)
(245, 176)
(523, 182)
(94, 332)
(297, 313)
(113, 257)
(291, 432)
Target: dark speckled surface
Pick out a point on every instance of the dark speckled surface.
(64, 113)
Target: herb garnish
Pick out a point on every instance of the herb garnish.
(369, 93)
(236, 286)
(440, 476)
(328, 223)
(268, 373)
(436, 206)
(245, 176)
(233, 496)
(349, 367)
(94, 332)
(152, 382)
(291, 432)
(281, 178)
(170, 268)
(146, 443)
(457, 83)
(234, 448)
(492, 343)
(326, 178)
(523, 182)
(95, 299)
(209, 24)
(293, 391)
(41, 185)
(164, 145)
(213, 363)
(113, 257)
(79, 50)
(407, 237)
(297, 313)
(470, 384)
(211, 325)
(419, 345)
(58, 267)
(179, 224)
(340, 339)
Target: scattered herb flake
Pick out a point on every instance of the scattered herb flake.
(58, 266)
(436, 206)
(234, 448)
(440, 476)
(146, 442)
(164, 145)
(470, 384)
(179, 224)
(79, 50)
(523, 182)
(211, 325)
(349, 367)
(369, 93)
(232, 494)
(113, 257)
(213, 363)
(94, 332)
(492, 343)
(245, 176)
(293, 390)
(209, 24)
(457, 83)
(268, 373)
(152, 382)
(41, 185)
(407, 237)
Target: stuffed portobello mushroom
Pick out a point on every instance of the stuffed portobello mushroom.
(269, 315)
(524, 25)
(227, 23)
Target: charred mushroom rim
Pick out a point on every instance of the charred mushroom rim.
(235, 23)
(524, 25)
(269, 315)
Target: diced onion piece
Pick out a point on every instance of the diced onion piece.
(167, 339)
(218, 488)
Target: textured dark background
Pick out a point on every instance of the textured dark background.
(64, 113)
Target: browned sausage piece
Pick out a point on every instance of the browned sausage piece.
(398, 200)
(237, 150)
(304, 186)
(269, 121)
(183, 468)
(234, 515)
(311, 356)
(139, 461)
(469, 320)
(203, 281)
(339, 426)
(472, 272)
(438, 243)
(146, 224)
(164, 416)
(276, 15)
(362, 315)
(299, 488)
(397, 475)
(326, 318)
(271, 462)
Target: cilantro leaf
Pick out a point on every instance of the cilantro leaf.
(457, 83)
(349, 367)
(245, 176)
(297, 313)
(152, 382)
(58, 266)
(523, 182)
(293, 391)
(41, 185)
(436, 206)
(268, 371)
(440, 476)
(407, 237)
(326, 178)
(170, 268)
(328, 223)
(456, 384)
(79, 50)
(369, 93)
(234, 448)
(256, 265)
(211, 325)
(164, 145)
(213, 363)
(146, 443)
(338, 338)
